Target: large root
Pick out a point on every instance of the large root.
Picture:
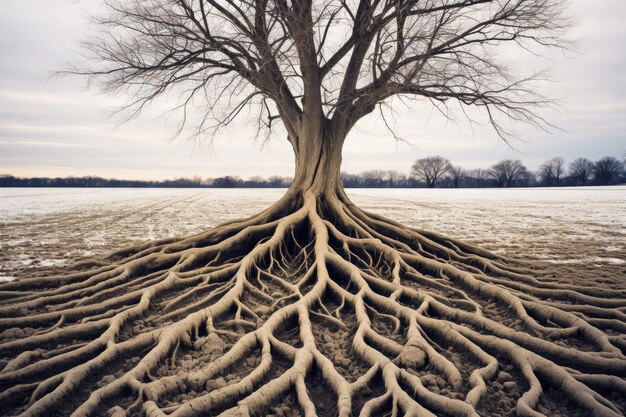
(311, 308)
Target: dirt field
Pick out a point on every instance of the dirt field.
(575, 227)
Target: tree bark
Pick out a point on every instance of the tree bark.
(318, 163)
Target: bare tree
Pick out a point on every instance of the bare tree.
(550, 172)
(350, 180)
(546, 173)
(506, 172)
(317, 69)
(558, 166)
(313, 305)
(430, 169)
(477, 177)
(456, 175)
(374, 177)
(606, 170)
(580, 170)
(256, 180)
(278, 181)
(529, 178)
(395, 178)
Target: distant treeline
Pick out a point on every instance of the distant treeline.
(194, 182)
(433, 171)
(436, 171)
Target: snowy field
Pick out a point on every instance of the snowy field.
(573, 227)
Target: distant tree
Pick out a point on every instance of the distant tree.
(350, 180)
(430, 169)
(506, 172)
(395, 178)
(476, 177)
(580, 170)
(373, 178)
(546, 173)
(9, 181)
(558, 166)
(456, 175)
(256, 181)
(607, 170)
(527, 179)
(226, 182)
(277, 181)
(550, 172)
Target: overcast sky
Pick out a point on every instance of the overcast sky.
(54, 127)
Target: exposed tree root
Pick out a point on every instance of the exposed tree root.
(311, 308)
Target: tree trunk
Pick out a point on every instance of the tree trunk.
(318, 164)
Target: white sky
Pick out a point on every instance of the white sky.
(54, 127)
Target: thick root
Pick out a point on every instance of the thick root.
(311, 308)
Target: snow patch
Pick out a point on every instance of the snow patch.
(612, 261)
(565, 261)
(594, 259)
(52, 262)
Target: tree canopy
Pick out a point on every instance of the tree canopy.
(323, 64)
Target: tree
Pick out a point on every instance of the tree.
(277, 181)
(396, 179)
(373, 178)
(558, 165)
(477, 177)
(506, 172)
(313, 304)
(228, 181)
(580, 170)
(456, 175)
(430, 169)
(256, 181)
(550, 172)
(546, 174)
(606, 170)
(350, 180)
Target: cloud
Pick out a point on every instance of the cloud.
(52, 126)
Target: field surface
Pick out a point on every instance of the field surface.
(579, 227)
